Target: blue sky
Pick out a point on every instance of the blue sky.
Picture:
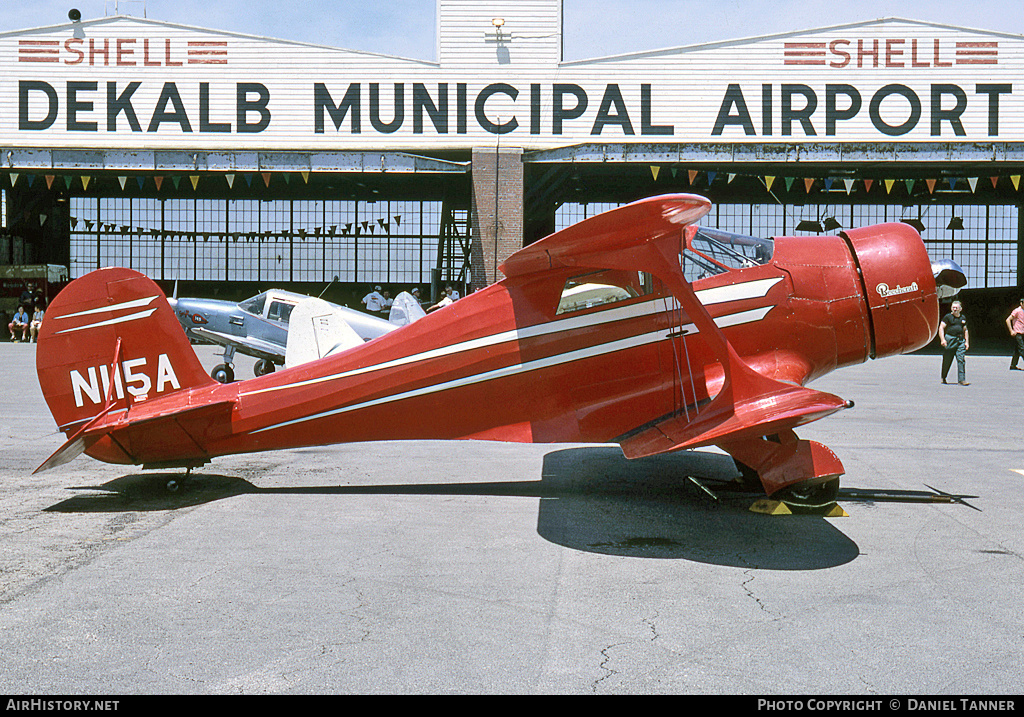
(593, 28)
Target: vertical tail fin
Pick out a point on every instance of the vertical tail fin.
(84, 372)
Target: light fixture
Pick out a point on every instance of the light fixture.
(831, 223)
(955, 223)
(74, 15)
(498, 21)
(916, 223)
(809, 226)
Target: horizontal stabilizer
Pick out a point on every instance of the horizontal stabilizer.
(71, 449)
(149, 438)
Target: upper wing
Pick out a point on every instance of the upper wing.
(617, 231)
(647, 236)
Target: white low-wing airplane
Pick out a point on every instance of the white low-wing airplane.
(259, 327)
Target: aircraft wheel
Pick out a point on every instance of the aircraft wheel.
(810, 497)
(223, 373)
(263, 367)
(173, 486)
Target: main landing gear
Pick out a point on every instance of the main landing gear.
(799, 476)
(263, 367)
(223, 373)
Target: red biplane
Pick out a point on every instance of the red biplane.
(635, 326)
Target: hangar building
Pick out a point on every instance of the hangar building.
(233, 163)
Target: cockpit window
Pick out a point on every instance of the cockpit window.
(280, 311)
(696, 266)
(255, 304)
(597, 288)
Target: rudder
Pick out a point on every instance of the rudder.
(112, 310)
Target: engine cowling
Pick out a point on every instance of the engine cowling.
(899, 287)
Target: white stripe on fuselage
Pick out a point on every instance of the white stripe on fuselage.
(742, 317)
(736, 292)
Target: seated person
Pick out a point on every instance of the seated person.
(20, 324)
(37, 321)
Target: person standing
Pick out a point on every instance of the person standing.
(956, 340)
(1015, 323)
(374, 301)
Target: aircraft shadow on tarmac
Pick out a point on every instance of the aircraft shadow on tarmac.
(592, 499)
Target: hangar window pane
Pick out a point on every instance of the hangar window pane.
(339, 241)
(244, 243)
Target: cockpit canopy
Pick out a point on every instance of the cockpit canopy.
(272, 305)
(715, 251)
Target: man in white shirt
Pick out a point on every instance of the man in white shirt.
(373, 301)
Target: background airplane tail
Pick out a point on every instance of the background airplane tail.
(110, 340)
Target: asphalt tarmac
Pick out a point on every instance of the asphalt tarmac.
(465, 567)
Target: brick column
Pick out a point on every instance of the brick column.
(494, 241)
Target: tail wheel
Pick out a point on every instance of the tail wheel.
(223, 373)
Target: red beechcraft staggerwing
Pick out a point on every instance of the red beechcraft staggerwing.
(634, 326)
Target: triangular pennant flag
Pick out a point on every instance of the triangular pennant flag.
(85, 182)
(68, 179)
(398, 220)
(49, 181)
(828, 183)
(14, 178)
(287, 178)
(789, 182)
(31, 178)
(711, 177)
(973, 182)
(159, 181)
(692, 173)
(266, 178)
(910, 185)
(231, 180)
(176, 180)
(849, 185)
(729, 178)
(768, 182)
(194, 178)
(654, 172)
(305, 177)
(141, 181)
(931, 185)
(888, 185)
(74, 222)
(1015, 178)
(248, 179)
(675, 171)
(867, 184)
(42, 219)
(808, 183)
(121, 181)
(994, 181)
(952, 182)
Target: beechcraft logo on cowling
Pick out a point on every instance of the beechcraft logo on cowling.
(885, 292)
